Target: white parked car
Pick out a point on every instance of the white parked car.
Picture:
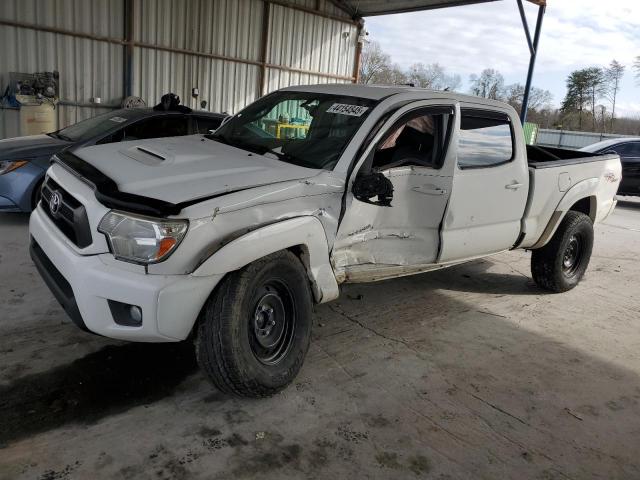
(233, 236)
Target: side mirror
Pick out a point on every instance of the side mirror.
(374, 184)
(610, 152)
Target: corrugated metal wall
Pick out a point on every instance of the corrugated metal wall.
(88, 68)
(226, 28)
(569, 139)
(213, 45)
(308, 42)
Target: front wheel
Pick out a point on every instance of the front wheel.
(254, 330)
(561, 263)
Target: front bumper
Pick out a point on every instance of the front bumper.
(83, 284)
(7, 205)
(16, 188)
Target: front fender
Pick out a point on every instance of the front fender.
(305, 231)
(584, 189)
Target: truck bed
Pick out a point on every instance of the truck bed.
(553, 172)
(547, 157)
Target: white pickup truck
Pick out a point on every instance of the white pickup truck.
(228, 239)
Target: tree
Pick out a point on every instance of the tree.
(425, 76)
(391, 75)
(432, 76)
(613, 76)
(596, 86)
(539, 99)
(373, 63)
(584, 88)
(489, 84)
(636, 67)
(451, 82)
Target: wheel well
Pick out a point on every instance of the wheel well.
(299, 251)
(302, 252)
(587, 205)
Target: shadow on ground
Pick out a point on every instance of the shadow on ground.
(629, 203)
(468, 372)
(102, 383)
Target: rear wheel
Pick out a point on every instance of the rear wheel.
(255, 329)
(560, 264)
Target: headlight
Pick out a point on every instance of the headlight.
(141, 239)
(7, 166)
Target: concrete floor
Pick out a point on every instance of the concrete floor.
(470, 372)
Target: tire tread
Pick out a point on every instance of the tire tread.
(544, 260)
(217, 356)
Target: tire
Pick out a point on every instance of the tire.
(237, 345)
(560, 264)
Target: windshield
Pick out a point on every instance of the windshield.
(303, 128)
(95, 126)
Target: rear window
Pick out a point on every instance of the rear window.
(485, 140)
(628, 149)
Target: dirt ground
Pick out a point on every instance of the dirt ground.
(469, 372)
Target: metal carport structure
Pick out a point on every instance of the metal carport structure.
(368, 8)
(232, 50)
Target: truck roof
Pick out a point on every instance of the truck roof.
(378, 92)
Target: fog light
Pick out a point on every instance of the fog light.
(125, 314)
(135, 313)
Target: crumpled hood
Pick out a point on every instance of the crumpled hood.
(180, 169)
(30, 147)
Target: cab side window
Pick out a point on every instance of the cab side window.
(417, 139)
(207, 124)
(157, 127)
(485, 139)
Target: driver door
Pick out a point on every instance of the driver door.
(391, 235)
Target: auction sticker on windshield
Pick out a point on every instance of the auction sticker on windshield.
(118, 119)
(346, 109)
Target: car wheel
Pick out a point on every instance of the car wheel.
(560, 264)
(254, 331)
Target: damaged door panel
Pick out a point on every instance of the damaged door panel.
(410, 152)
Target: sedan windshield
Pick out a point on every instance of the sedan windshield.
(96, 126)
(303, 128)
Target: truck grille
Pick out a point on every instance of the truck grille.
(67, 213)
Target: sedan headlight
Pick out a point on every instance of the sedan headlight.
(7, 166)
(141, 239)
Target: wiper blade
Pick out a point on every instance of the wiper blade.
(288, 158)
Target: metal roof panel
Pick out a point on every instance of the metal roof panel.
(368, 8)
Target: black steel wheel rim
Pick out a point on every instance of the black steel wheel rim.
(572, 255)
(272, 322)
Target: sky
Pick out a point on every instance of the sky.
(467, 39)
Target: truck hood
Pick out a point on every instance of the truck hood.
(182, 169)
(29, 147)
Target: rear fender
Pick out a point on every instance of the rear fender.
(306, 232)
(584, 189)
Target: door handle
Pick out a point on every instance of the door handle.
(513, 186)
(430, 191)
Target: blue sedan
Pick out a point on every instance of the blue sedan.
(24, 160)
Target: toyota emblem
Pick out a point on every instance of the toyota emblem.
(54, 202)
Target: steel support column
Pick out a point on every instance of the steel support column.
(128, 48)
(358, 55)
(533, 49)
